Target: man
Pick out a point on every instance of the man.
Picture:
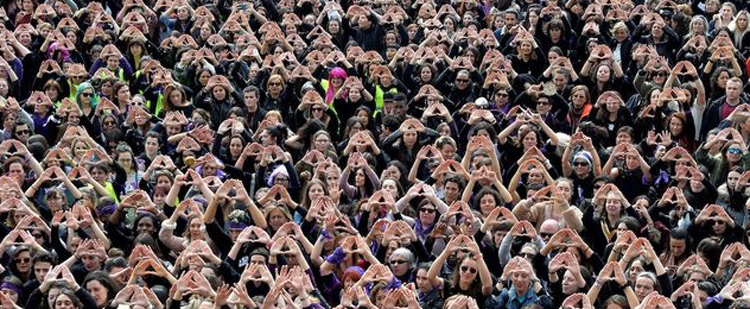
(722, 107)
(22, 131)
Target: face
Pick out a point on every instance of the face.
(399, 265)
(17, 172)
(425, 74)
(63, 302)
(487, 204)
(91, 262)
(603, 73)
(717, 227)
(569, 283)
(721, 81)
(204, 77)
(734, 153)
(613, 206)
(23, 262)
(359, 178)
(219, 93)
(389, 185)
(427, 214)
(581, 167)
(98, 292)
(393, 172)
(635, 269)
(334, 27)
(235, 147)
(525, 48)
(125, 160)
(423, 282)
(675, 126)
(623, 137)
(677, 246)
(410, 138)
(277, 219)
(742, 21)
(41, 269)
(468, 270)
(462, 81)
(146, 225)
(529, 140)
(151, 145)
(733, 90)
(643, 287)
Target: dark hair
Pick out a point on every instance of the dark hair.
(115, 262)
(711, 249)
(104, 280)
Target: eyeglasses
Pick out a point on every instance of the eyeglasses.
(397, 262)
(501, 94)
(22, 260)
(542, 103)
(280, 180)
(579, 163)
(427, 210)
(23, 132)
(86, 94)
(734, 151)
(462, 80)
(468, 269)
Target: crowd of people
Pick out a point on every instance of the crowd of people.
(379, 154)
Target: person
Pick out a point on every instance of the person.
(388, 154)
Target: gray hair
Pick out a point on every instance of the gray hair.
(406, 254)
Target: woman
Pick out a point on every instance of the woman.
(87, 99)
(612, 115)
(276, 97)
(125, 160)
(529, 58)
(580, 107)
(601, 221)
(682, 129)
(175, 100)
(365, 179)
(734, 153)
(101, 287)
(471, 277)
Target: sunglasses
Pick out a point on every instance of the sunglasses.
(542, 103)
(427, 210)
(86, 94)
(734, 151)
(461, 80)
(526, 255)
(274, 84)
(546, 235)
(501, 94)
(468, 269)
(398, 262)
(23, 132)
(317, 109)
(578, 163)
(714, 222)
(22, 260)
